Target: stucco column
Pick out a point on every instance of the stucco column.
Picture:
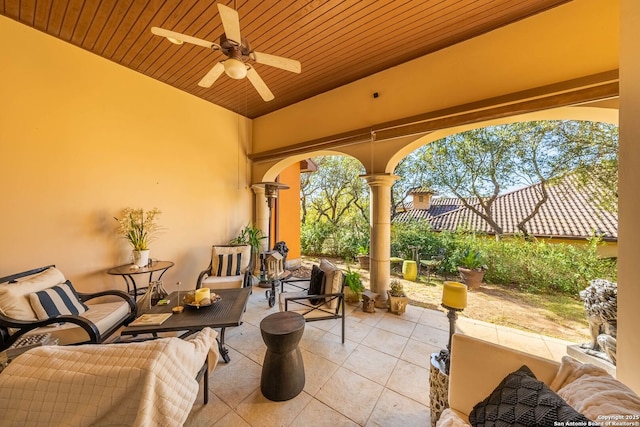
(262, 215)
(380, 223)
(628, 201)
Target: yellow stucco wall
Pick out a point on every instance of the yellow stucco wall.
(289, 210)
(81, 138)
(629, 203)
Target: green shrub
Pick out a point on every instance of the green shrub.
(535, 267)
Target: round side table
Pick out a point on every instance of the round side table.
(283, 370)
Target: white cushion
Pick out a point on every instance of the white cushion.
(14, 297)
(104, 315)
(333, 280)
(223, 282)
(225, 259)
(58, 300)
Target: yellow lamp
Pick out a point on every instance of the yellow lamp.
(454, 299)
(454, 295)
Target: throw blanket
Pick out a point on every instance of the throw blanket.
(589, 389)
(594, 393)
(149, 383)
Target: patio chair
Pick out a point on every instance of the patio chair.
(431, 265)
(230, 267)
(321, 299)
(42, 301)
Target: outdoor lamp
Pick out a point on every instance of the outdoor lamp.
(454, 299)
(271, 193)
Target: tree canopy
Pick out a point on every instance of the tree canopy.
(478, 165)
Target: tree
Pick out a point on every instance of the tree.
(335, 205)
(598, 168)
(476, 166)
(413, 175)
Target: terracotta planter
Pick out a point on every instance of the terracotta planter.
(397, 305)
(364, 261)
(471, 278)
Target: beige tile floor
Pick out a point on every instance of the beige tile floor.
(378, 377)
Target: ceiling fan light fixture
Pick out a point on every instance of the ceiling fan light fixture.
(235, 69)
(175, 41)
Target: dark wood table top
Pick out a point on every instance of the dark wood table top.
(225, 313)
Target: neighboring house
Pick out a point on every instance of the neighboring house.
(570, 215)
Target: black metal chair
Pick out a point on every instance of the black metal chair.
(317, 306)
(12, 329)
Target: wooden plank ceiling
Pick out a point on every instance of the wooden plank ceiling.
(337, 42)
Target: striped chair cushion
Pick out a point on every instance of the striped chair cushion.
(228, 264)
(58, 300)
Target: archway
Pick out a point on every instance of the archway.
(286, 215)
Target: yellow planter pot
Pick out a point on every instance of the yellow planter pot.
(409, 270)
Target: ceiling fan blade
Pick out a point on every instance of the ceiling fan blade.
(182, 37)
(277, 61)
(212, 75)
(230, 22)
(259, 84)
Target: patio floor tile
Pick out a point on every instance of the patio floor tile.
(317, 414)
(350, 394)
(378, 377)
(371, 364)
(386, 342)
(317, 371)
(393, 409)
(259, 411)
(411, 381)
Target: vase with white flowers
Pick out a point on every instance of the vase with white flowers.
(140, 229)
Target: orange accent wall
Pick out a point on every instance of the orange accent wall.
(289, 210)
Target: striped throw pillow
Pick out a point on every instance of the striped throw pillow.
(58, 300)
(228, 264)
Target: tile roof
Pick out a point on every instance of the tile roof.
(568, 213)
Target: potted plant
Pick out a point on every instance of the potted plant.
(363, 257)
(471, 268)
(353, 293)
(398, 300)
(250, 235)
(139, 228)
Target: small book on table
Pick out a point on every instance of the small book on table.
(150, 319)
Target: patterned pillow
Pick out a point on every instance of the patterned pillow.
(58, 300)
(229, 260)
(316, 284)
(520, 399)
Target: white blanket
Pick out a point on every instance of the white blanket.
(150, 383)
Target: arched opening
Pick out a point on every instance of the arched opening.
(287, 222)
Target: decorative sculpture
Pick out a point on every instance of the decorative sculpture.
(601, 306)
(282, 248)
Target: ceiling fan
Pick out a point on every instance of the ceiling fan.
(238, 52)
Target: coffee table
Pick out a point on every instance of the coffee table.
(225, 313)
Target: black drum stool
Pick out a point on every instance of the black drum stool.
(283, 369)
